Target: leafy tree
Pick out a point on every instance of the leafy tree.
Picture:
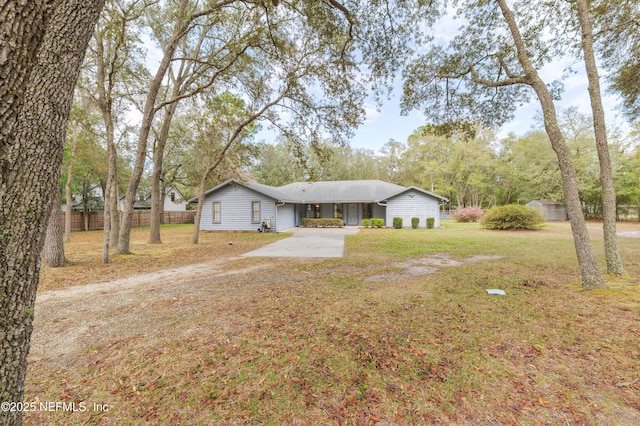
(628, 176)
(392, 164)
(457, 166)
(111, 69)
(209, 53)
(616, 35)
(528, 169)
(278, 164)
(488, 68)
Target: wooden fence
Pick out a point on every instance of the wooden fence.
(94, 221)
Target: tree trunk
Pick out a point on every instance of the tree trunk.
(68, 210)
(53, 250)
(591, 278)
(106, 230)
(42, 50)
(157, 195)
(198, 217)
(612, 253)
(145, 128)
(112, 184)
(67, 187)
(115, 208)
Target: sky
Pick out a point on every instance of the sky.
(387, 123)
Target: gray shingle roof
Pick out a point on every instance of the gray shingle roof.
(340, 191)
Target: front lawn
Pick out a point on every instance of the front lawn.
(399, 331)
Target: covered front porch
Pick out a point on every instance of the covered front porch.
(351, 214)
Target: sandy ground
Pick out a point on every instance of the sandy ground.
(68, 320)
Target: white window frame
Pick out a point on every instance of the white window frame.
(255, 219)
(216, 218)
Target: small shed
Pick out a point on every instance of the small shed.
(551, 210)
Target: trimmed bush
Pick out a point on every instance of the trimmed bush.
(365, 223)
(397, 222)
(322, 223)
(377, 222)
(431, 222)
(468, 214)
(415, 222)
(512, 216)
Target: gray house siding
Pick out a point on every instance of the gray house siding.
(286, 217)
(379, 211)
(235, 209)
(412, 204)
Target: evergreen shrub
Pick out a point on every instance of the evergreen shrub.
(377, 222)
(512, 216)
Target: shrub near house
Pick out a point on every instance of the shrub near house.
(322, 223)
(468, 214)
(512, 216)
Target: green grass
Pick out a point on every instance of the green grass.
(319, 342)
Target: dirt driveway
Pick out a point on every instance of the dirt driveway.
(68, 321)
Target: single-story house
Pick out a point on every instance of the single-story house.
(174, 201)
(237, 206)
(551, 210)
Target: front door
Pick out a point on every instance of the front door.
(353, 214)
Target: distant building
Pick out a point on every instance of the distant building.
(174, 201)
(551, 210)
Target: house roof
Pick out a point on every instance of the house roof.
(343, 191)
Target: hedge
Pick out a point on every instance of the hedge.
(377, 222)
(431, 221)
(322, 223)
(415, 222)
(397, 222)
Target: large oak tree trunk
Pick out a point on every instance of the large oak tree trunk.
(612, 253)
(42, 48)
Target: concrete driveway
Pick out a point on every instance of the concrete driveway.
(308, 242)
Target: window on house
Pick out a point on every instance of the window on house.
(173, 196)
(216, 213)
(367, 211)
(255, 212)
